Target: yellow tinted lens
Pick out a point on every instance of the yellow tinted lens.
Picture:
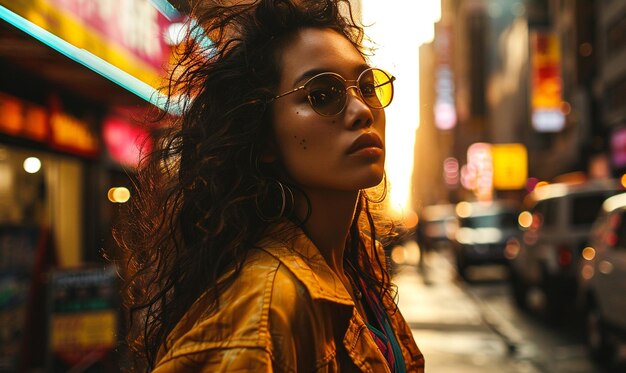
(384, 87)
(376, 88)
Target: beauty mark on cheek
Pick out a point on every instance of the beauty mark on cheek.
(302, 142)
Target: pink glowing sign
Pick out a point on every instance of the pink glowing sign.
(125, 142)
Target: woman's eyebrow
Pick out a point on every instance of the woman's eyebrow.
(311, 73)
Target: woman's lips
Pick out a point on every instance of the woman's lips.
(368, 143)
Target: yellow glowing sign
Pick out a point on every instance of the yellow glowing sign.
(510, 166)
(83, 329)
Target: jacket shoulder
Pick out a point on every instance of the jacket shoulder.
(244, 318)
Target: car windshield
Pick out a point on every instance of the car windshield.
(585, 209)
(502, 220)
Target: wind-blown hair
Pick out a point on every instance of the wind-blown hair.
(203, 196)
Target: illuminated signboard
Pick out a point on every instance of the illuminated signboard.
(124, 40)
(48, 125)
(618, 148)
(73, 135)
(546, 84)
(445, 111)
(126, 142)
(82, 317)
(510, 166)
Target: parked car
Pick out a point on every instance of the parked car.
(602, 275)
(483, 231)
(556, 226)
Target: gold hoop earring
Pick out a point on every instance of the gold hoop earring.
(284, 196)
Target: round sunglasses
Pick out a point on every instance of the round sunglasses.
(328, 92)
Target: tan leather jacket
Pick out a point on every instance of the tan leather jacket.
(286, 312)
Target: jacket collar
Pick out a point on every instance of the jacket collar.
(292, 247)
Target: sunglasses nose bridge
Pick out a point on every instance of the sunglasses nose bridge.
(356, 91)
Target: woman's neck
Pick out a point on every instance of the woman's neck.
(329, 223)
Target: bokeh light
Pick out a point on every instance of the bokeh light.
(525, 219)
(589, 253)
(531, 184)
(32, 165)
(451, 171)
(605, 267)
(512, 249)
(587, 272)
(118, 195)
(463, 209)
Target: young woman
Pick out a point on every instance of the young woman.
(254, 240)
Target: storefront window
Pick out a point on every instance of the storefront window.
(43, 190)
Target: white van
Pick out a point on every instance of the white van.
(544, 262)
(602, 274)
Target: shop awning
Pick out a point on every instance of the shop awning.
(74, 45)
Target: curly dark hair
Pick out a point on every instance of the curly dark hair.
(203, 197)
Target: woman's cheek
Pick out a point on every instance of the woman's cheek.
(300, 142)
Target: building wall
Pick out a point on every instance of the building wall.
(432, 145)
(491, 63)
(610, 88)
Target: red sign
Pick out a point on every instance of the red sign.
(23, 119)
(50, 125)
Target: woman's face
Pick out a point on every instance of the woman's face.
(344, 152)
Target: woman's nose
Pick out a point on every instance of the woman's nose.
(358, 113)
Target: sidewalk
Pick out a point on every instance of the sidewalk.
(448, 325)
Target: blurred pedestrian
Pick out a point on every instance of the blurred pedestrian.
(423, 246)
(253, 241)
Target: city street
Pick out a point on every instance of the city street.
(475, 327)
(145, 145)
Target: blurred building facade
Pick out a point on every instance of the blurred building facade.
(610, 85)
(72, 118)
(548, 76)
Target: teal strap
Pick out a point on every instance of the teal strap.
(376, 331)
(395, 346)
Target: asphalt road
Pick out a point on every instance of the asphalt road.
(474, 327)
